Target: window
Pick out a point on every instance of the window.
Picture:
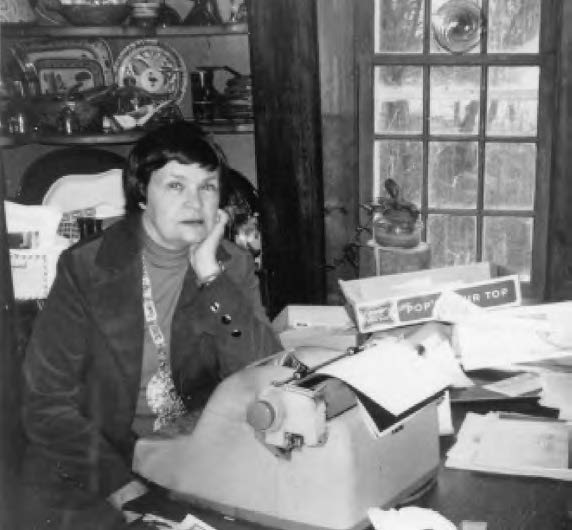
(456, 104)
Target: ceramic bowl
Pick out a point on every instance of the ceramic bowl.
(95, 14)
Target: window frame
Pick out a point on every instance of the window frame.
(546, 60)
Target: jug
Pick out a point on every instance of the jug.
(203, 13)
(203, 93)
(208, 101)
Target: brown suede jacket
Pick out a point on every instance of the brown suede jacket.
(83, 362)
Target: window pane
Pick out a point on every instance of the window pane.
(399, 26)
(455, 96)
(456, 27)
(452, 174)
(510, 176)
(513, 26)
(398, 99)
(507, 241)
(512, 100)
(403, 162)
(452, 239)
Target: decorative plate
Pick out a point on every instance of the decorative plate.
(156, 68)
(59, 75)
(93, 48)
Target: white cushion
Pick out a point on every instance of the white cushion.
(102, 191)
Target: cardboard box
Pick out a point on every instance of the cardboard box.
(316, 326)
(33, 272)
(384, 302)
(304, 316)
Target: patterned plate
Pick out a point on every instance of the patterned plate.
(59, 75)
(156, 68)
(92, 48)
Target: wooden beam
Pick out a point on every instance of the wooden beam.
(286, 93)
(10, 437)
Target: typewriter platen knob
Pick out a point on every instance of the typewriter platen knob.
(261, 415)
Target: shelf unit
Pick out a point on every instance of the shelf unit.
(120, 138)
(10, 31)
(220, 45)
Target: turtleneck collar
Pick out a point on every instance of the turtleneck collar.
(161, 257)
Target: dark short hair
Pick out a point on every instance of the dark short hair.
(181, 141)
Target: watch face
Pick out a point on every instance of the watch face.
(155, 67)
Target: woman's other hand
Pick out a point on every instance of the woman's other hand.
(203, 255)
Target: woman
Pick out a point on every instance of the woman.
(141, 324)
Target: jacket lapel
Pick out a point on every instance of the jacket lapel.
(116, 296)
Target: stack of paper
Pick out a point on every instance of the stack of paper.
(505, 337)
(512, 444)
(517, 385)
(557, 393)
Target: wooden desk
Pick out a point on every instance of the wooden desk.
(503, 502)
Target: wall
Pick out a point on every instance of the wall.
(238, 148)
(339, 142)
(559, 248)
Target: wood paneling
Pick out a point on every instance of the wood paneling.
(10, 432)
(286, 90)
(559, 248)
(339, 138)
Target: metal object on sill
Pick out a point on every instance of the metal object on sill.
(396, 230)
(395, 220)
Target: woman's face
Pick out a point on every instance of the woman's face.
(182, 204)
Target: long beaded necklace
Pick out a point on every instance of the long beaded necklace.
(162, 397)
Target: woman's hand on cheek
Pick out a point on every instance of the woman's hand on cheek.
(203, 256)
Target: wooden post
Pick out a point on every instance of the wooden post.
(286, 94)
(10, 431)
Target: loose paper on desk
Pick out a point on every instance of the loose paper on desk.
(512, 445)
(557, 393)
(437, 348)
(391, 373)
(517, 385)
(190, 522)
(504, 337)
(408, 518)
